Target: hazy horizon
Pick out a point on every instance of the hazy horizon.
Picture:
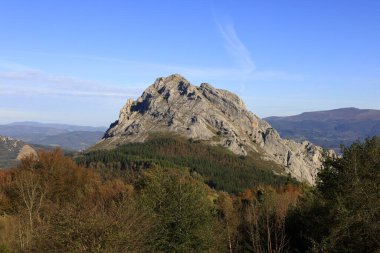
(106, 126)
(78, 62)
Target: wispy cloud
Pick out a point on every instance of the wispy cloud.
(244, 70)
(32, 82)
(236, 47)
(9, 115)
(132, 68)
(246, 66)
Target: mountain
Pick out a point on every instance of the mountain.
(12, 150)
(214, 116)
(329, 128)
(54, 135)
(76, 140)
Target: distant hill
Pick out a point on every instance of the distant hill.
(11, 150)
(329, 128)
(76, 140)
(54, 135)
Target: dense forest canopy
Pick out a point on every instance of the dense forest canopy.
(220, 168)
(54, 204)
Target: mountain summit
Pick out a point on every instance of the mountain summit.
(216, 116)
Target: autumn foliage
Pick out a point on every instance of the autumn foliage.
(51, 204)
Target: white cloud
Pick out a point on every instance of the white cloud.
(9, 115)
(247, 69)
(236, 47)
(39, 83)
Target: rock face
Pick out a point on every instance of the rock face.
(218, 116)
(26, 151)
(13, 150)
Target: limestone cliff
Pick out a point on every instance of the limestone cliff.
(218, 116)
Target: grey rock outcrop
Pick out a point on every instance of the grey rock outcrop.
(13, 150)
(218, 116)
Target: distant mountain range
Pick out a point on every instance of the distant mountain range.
(329, 128)
(69, 137)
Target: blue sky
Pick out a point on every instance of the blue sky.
(77, 61)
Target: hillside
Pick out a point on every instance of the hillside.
(219, 167)
(12, 150)
(329, 128)
(215, 116)
(54, 135)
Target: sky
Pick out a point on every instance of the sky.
(78, 61)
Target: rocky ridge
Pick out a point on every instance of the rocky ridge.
(218, 116)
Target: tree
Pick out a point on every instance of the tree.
(228, 215)
(31, 193)
(263, 212)
(182, 210)
(51, 204)
(343, 213)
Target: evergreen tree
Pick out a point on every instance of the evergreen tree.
(343, 213)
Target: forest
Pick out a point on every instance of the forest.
(170, 195)
(220, 168)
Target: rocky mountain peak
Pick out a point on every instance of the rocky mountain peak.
(172, 104)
